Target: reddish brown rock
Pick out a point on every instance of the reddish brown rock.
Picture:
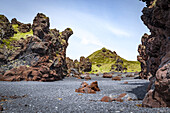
(97, 74)
(85, 88)
(107, 75)
(125, 82)
(106, 99)
(94, 86)
(130, 75)
(87, 77)
(116, 78)
(119, 98)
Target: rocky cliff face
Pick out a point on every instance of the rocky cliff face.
(156, 56)
(41, 57)
(84, 65)
(6, 29)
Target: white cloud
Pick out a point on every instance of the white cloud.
(118, 32)
(87, 37)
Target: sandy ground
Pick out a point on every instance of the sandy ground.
(60, 97)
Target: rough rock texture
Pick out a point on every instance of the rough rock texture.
(38, 58)
(40, 25)
(75, 67)
(6, 29)
(106, 99)
(156, 16)
(15, 21)
(85, 88)
(24, 28)
(116, 78)
(107, 75)
(85, 64)
(119, 98)
(1, 108)
(142, 57)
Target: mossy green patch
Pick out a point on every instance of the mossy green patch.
(154, 3)
(107, 58)
(17, 36)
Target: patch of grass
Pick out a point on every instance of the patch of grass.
(17, 36)
(107, 59)
(153, 4)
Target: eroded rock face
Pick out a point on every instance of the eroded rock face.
(15, 21)
(6, 29)
(76, 68)
(142, 57)
(40, 25)
(38, 58)
(24, 28)
(85, 64)
(156, 16)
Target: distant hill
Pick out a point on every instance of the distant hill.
(103, 59)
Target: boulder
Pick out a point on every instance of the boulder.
(85, 88)
(107, 75)
(106, 99)
(116, 78)
(94, 86)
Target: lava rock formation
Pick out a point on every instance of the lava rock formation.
(156, 56)
(41, 57)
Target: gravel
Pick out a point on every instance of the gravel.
(60, 97)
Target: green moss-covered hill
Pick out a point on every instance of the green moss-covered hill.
(103, 59)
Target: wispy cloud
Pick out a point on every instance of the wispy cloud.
(87, 37)
(117, 32)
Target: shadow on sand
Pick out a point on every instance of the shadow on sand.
(140, 90)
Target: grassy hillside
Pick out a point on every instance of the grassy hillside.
(103, 59)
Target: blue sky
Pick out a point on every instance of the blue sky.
(114, 24)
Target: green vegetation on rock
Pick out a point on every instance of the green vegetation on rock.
(103, 59)
(19, 34)
(16, 36)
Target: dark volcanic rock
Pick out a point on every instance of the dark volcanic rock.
(1, 108)
(38, 58)
(24, 28)
(156, 17)
(142, 58)
(40, 25)
(6, 29)
(85, 64)
(15, 21)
